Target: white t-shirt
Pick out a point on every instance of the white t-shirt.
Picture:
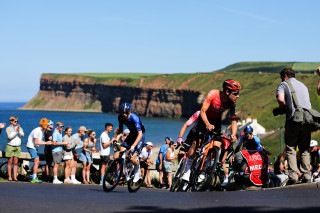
(145, 154)
(104, 138)
(36, 133)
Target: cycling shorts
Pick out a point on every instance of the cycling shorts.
(188, 142)
(202, 129)
(130, 141)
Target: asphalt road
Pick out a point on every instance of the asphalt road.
(28, 197)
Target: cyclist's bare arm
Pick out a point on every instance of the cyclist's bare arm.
(234, 128)
(204, 108)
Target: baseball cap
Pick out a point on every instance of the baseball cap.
(126, 131)
(149, 144)
(50, 123)
(83, 128)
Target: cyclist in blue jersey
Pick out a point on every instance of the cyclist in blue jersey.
(249, 141)
(134, 142)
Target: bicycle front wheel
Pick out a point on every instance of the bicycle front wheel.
(113, 174)
(135, 186)
(177, 177)
(203, 178)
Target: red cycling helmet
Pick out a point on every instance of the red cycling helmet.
(232, 85)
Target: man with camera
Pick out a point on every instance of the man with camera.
(295, 133)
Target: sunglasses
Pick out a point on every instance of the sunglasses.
(93, 134)
(15, 121)
(248, 133)
(61, 126)
(236, 93)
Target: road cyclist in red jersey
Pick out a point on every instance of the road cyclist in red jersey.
(215, 103)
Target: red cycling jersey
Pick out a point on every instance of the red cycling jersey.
(214, 108)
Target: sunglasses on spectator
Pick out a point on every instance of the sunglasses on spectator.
(248, 133)
(93, 134)
(15, 121)
(236, 93)
(61, 126)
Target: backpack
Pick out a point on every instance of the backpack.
(308, 118)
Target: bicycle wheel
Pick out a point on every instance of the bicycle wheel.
(4, 170)
(135, 186)
(113, 174)
(177, 177)
(203, 178)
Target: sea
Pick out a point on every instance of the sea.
(157, 129)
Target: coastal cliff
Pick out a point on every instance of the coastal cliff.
(75, 93)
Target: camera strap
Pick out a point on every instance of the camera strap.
(293, 93)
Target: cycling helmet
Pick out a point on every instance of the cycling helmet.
(232, 85)
(248, 129)
(313, 143)
(125, 107)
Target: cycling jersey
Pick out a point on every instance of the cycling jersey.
(134, 123)
(214, 107)
(193, 119)
(250, 144)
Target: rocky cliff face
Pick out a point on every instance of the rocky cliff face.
(83, 95)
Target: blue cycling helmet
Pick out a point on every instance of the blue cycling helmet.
(248, 129)
(125, 107)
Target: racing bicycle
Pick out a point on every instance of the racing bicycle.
(122, 170)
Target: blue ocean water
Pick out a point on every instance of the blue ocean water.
(156, 128)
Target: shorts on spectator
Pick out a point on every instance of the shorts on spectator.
(13, 151)
(104, 158)
(158, 167)
(143, 164)
(85, 157)
(33, 153)
(67, 157)
(57, 157)
(167, 166)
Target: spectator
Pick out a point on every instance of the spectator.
(79, 137)
(168, 162)
(86, 155)
(119, 138)
(2, 125)
(315, 157)
(57, 151)
(279, 169)
(104, 152)
(34, 140)
(318, 87)
(295, 134)
(68, 154)
(159, 161)
(48, 149)
(13, 149)
(145, 162)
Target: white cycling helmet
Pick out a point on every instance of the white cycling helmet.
(313, 143)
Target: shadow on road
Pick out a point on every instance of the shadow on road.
(226, 209)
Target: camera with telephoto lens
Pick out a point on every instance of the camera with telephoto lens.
(278, 111)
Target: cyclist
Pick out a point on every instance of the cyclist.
(188, 142)
(213, 106)
(134, 142)
(248, 140)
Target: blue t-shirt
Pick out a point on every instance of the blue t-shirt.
(57, 136)
(163, 150)
(253, 144)
(80, 139)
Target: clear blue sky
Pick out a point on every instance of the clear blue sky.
(148, 36)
